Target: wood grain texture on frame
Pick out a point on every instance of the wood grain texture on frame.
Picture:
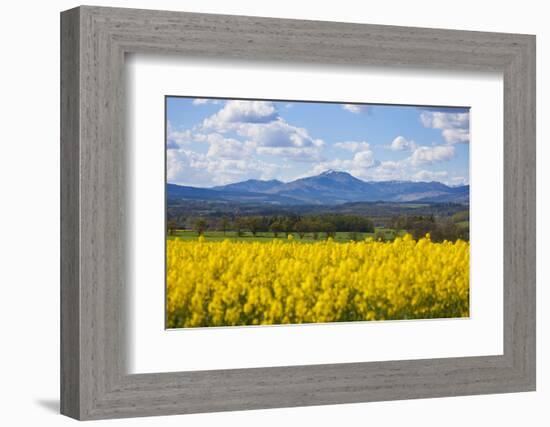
(94, 271)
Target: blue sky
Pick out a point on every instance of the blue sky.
(216, 141)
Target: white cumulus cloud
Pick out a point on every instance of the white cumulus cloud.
(402, 144)
(200, 101)
(425, 175)
(430, 155)
(305, 154)
(357, 165)
(455, 127)
(176, 138)
(228, 148)
(186, 167)
(204, 101)
(456, 135)
(355, 108)
(353, 146)
(242, 112)
(278, 133)
(259, 124)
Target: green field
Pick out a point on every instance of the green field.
(247, 236)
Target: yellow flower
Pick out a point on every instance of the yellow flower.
(252, 283)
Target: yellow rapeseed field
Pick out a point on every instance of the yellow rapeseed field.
(252, 283)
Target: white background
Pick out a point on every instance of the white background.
(29, 218)
(152, 349)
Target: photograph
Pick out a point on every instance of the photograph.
(293, 212)
(262, 214)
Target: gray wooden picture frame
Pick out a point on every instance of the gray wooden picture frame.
(94, 381)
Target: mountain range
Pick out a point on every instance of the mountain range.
(328, 188)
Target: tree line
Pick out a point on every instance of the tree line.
(328, 224)
(439, 228)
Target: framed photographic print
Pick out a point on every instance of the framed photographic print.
(262, 213)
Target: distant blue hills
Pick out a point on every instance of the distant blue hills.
(328, 188)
